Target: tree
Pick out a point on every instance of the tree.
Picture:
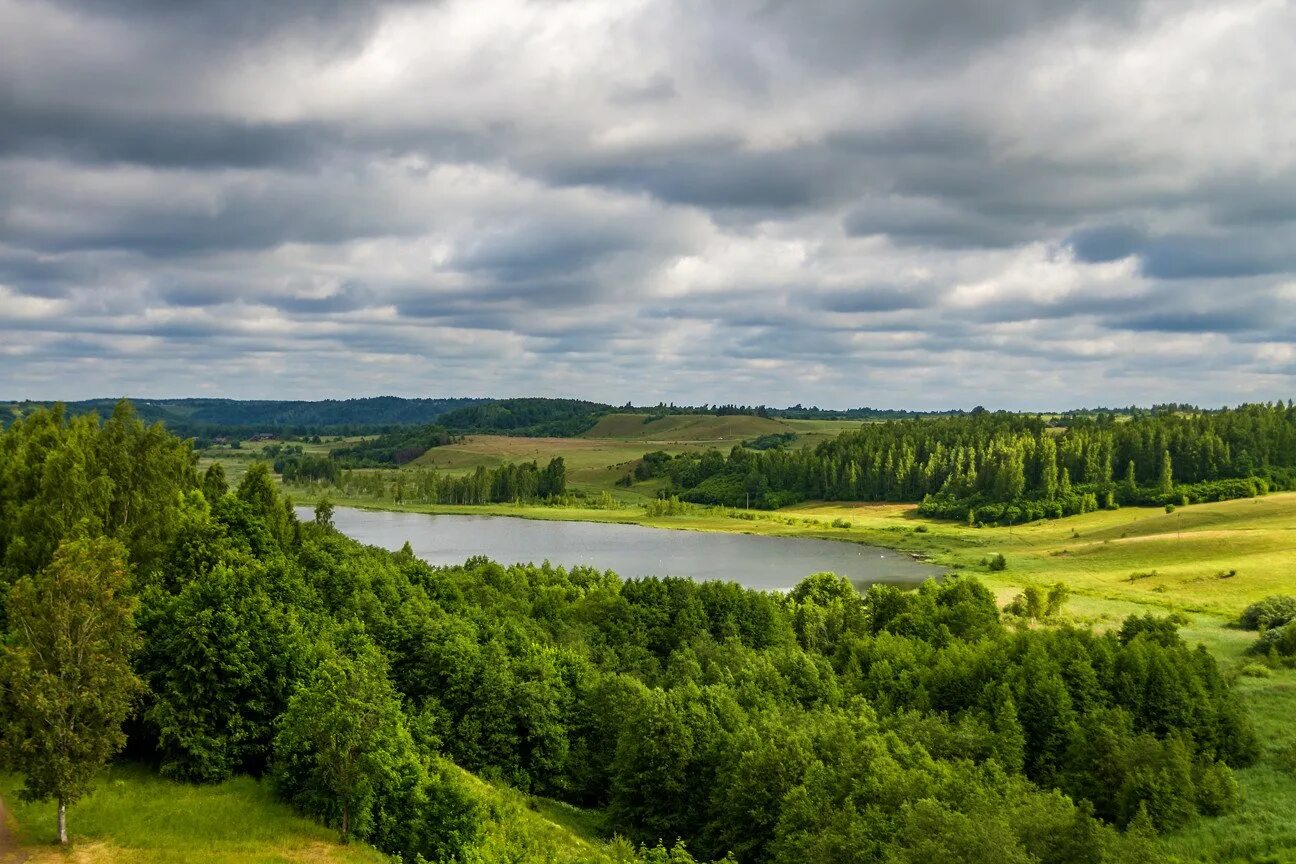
(1165, 479)
(214, 484)
(324, 512)
(342, 739)
(66, 670)
(1130, 489)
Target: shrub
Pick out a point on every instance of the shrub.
(1217, 790)
(840, 523)
(997, 562)
(1280, 641)
(1274, 611)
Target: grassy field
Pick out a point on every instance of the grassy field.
(136, 817)
(606, 453)
(595, 460)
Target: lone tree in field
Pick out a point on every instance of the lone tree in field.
(66, 671)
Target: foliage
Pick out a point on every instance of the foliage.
(1273, 611)
(1010, 468)
(235, 418)
(344, 754)
(64, 478)
(557, 418)
(66, 674)
(393, 448)
(521, 482)
(819, 725)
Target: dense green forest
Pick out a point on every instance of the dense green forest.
(241, 418)
(1000, 467)
(539, 418)
(817, 726)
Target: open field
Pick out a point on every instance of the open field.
(603, 455)
(1137, 554)
(593, 464)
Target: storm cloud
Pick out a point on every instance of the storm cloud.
(918, 203)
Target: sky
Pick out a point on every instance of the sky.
(1026, 204)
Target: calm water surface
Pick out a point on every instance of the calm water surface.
(629, 550)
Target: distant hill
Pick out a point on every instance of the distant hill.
(530, 418)
(239, 416)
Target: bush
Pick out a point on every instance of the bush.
(840, 523)
(997, 562)
(1274, 611)
(1280, 641)
(1217, 790)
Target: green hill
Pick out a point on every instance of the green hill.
(138, 817)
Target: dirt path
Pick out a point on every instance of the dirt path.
(9, 853)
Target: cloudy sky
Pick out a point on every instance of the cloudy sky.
(918, 203)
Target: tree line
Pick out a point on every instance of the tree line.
(817, 726)
(1000, 467)
(510, 483)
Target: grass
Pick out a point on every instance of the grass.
(134, 816)
(525, 828)
(1263, 829)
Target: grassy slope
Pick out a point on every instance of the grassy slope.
(604, 454)
(135, 816)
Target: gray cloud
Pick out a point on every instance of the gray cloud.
(832, 202)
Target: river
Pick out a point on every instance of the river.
(768, 563)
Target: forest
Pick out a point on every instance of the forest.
(157, 615)
(242, 418)
(1007, 468)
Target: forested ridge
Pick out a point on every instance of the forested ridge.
(241, 418)
(817, 726)
(997, 467)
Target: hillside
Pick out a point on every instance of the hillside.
(230, 416)
(136, 817)
(692, 428)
